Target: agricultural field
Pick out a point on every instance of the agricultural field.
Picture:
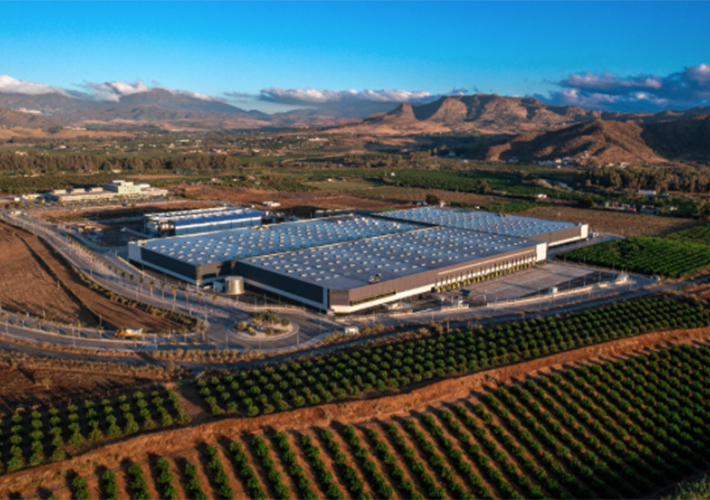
(407, 363)
(697, 234)
(667, 256)
(34, 280)
(621, 223)
(43, 434)
(308, 200)
(26, 382)
(605, 429)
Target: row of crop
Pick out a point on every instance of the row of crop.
(246, 473)
(217, 475)
(379, 482)
(597, 433)
(273, 475)
(406, 486)
(323, 475)
(353, 482)
(339, 375)
(293, 467)
(42, 434)
(416, 467)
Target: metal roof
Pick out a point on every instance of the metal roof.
(235, 244)
(512, 225)
(351, 265)
(207, 215)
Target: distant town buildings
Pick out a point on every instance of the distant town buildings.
(112, 190)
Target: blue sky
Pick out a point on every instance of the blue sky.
(503, 47)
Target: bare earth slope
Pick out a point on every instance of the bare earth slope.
(613, 141)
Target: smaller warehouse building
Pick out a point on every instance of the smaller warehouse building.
(183, 222)
(551, 232)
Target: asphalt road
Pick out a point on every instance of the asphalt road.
(222, 315)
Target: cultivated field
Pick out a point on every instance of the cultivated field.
(27, 383)
(299, 201)
(606, 429)
(605, 221)
(34, 280)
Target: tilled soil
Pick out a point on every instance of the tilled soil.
(621, 223)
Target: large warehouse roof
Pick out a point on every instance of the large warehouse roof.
(356, 263)
(512, 225)
(236, 244)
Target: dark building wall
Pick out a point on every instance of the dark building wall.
(279, 281)
(174, 265)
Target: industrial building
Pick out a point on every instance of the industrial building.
(551, 232)
(112, 190)
(356, 275)
(350, 263)
(202, 220)
(204, 258)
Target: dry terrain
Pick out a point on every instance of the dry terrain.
(621, 223)
(29, 383)
(299, 202)
(397, 194)
(27, 286)
(36, 281)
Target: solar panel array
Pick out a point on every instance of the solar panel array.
(353, 264)
(238, 244)
(512, 225)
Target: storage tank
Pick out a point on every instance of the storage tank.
(234, 285)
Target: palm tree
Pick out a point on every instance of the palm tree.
(174, 289)
(151, 284)
(202, 328)
(199, 295)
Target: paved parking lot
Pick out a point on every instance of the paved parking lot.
(535, 281)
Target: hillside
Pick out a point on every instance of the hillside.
(483, 113)
(613, 142)
(10, 118)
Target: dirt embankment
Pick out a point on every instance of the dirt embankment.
(43, 285)
(175, 441)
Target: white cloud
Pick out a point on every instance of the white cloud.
(319, 96)
(113, 91)
(10, 85)
(683, 89)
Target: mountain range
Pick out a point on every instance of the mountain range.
(523, 128)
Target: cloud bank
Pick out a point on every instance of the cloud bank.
(681, 90)
(318, 97)
(10, 85)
